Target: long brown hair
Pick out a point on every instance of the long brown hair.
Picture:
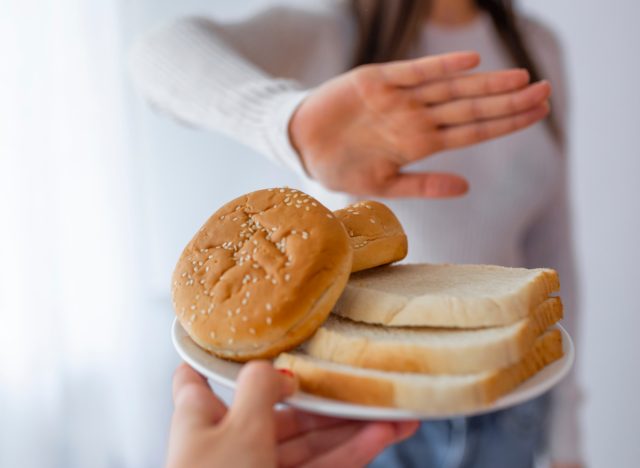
(388, 29)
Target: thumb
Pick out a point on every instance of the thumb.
(425, 185)
(195, 404)
(260, 386)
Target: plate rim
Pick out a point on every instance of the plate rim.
(310, 403)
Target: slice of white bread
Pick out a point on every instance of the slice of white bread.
(461, 296)
(431, 350)
(435, 394)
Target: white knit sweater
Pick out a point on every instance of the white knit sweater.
(245, 79)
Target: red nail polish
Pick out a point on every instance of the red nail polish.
(287, 372)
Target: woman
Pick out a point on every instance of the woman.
(289, 83)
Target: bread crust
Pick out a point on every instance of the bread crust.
(261, 274)
(377, 237)
(435, 394)
(367, 299)
(437, 356)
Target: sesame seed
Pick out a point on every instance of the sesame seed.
(248, 293)
(197, 296)
(287, 277)
(193, 318)
(213, 335)
(238, 311)
(281, 190)
(201, 281)
(222, 217)
(184, 273)
(203, 312)
(329, 215)
(245, 318)
(229, 313)
(252, 331)
(193, 307)
(269, 320)
(230, 341)
(244, 301)
(232, 328)
(268, 306)
(273, 281)
(305, 235)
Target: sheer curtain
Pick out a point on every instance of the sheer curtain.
(79, 340)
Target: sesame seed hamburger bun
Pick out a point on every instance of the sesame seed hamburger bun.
(376, 235)
(261, 275)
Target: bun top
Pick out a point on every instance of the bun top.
(367, 220)
(261, 274)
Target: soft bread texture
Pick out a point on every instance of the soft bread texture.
(376, 234)
(261, 275)
(431, 350)
(461, 296)
(435, 394)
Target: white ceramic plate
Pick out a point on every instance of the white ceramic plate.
(224, 373)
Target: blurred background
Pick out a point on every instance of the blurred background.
(98, 195)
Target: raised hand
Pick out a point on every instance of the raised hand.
(355, 132)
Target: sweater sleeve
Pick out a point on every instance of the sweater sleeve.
(549, 243)
(242, 79)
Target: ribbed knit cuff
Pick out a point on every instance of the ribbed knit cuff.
(277, 136)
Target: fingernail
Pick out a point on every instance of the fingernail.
(287, 372)
(291, 381)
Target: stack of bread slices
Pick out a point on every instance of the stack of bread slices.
(274, 270)
(435, 338)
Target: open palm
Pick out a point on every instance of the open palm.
(355, 132)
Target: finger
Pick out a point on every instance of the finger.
(260, 386)
(425, 185)
(418, 71)
(313, 444)
(469, 134)
(480, 84)
(365, 445)
(483, 108)
(195, 404)
(291, 423)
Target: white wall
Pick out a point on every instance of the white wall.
(602, 40)
(178, 172)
